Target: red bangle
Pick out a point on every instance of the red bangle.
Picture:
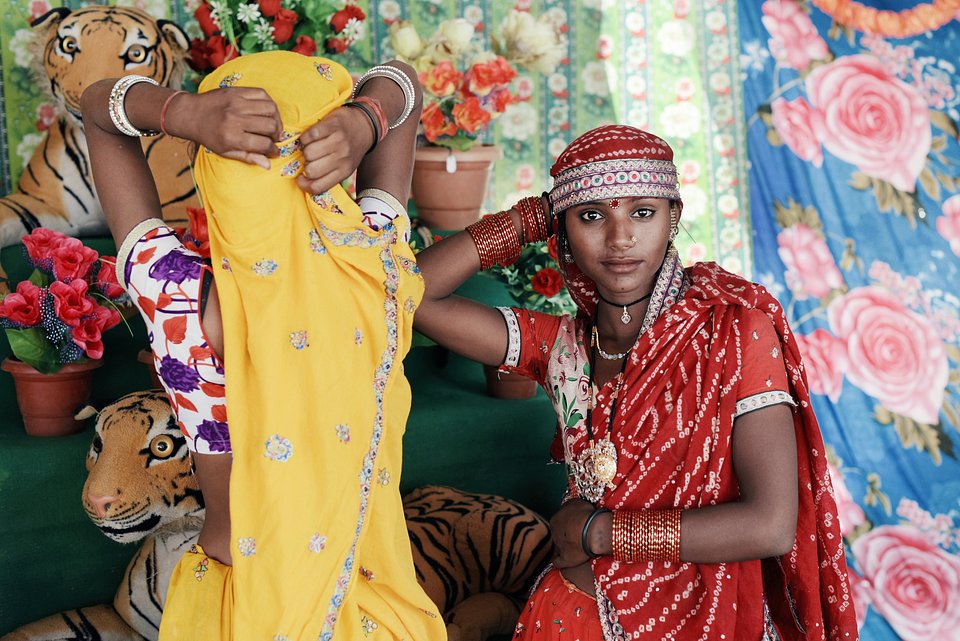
(533, 219)
(496, 239)
(163, 111)
(377, 110)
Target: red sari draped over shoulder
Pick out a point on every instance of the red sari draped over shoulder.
(674, 435)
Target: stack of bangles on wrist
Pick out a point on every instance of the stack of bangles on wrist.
(400, 79)
(371, 107)
(646, 535)
(496, 235)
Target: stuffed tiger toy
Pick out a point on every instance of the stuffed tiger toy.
(78, 48)
(475, 554)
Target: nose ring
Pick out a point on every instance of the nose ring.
(633, 239)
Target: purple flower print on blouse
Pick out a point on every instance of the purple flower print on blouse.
(178, 376)
(216, 434)
(177, 267)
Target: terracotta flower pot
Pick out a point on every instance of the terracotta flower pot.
(508, 385)
(449, 185)
(48, 402)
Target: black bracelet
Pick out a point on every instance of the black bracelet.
(373, 122)
(584, 543)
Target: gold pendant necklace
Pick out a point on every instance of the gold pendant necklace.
(597, 463)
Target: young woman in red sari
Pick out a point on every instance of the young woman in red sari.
(699, 504)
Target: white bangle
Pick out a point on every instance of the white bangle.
(117, 113)
(400, 79)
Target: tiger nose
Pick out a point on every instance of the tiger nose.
(100, 504)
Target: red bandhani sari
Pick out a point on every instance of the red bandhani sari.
(674, 435)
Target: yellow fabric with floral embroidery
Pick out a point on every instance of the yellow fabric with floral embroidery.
(317, 312)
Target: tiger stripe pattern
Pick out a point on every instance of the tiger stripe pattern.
(78, 48)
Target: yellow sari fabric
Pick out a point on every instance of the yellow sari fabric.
(317, 314)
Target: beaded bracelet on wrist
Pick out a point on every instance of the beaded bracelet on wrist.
(496, 239)
(533, 219)
(116, 109)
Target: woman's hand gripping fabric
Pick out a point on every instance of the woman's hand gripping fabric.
(333, 149)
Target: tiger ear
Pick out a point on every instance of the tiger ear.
(174, 34)
(85, 411)
(50, 18)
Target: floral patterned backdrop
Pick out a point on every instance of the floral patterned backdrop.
(670, 65)
(853, 218)
(852, 140)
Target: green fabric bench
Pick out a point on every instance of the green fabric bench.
(52, 558)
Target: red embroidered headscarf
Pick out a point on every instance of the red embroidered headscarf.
(612, 161)
(674, 433)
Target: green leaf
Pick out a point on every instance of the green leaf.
(32, 347)
(774, 138)
(945, 122)
(929, 183)
(953, 352)
(860, 181)
(39, 278)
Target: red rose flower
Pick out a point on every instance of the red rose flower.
(204, 17)
(41, 243)
(552, 247)
(470, 115)
(269, 8)
(435, 124)
(199, 56)
(219, 51)
(72, 260)
(283, 25)
(547, 281)
(88, 336)
(23, 306)
(305, 45)
(70, 301)
(336, 45)
(106, 279)
(341, 18)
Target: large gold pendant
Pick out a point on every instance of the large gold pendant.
(604, 456)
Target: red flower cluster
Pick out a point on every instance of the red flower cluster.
(226, 36)
(464, 103)
(196, 236)
(59, 302)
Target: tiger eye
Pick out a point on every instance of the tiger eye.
(137, 53)
(68, 44)
(162, 446)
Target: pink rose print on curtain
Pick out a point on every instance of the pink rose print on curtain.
(914, 584)
(811, 270)
(949, 224)
(894, 355)
(872, 119)
(825, 359)
(801, 127)
(794, 39)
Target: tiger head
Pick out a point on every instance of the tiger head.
(139, 476)
(96, 42)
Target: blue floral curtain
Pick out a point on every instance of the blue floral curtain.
(852, 137)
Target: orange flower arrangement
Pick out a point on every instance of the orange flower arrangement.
(465, 87)
(893, 24)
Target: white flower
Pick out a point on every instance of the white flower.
(456, 35)
(389, 10)
(754, 56)
(218, 11)
(248, 12)
(716, 22)
(20, 46)
(636, 53)
(681, 120)
(727, 204)
(594, 76)
(639, 115)
(556, 147)
(723, 143)
(473, 14)
(524, 87)
(530, 43)
(694, 202)
(557, 82)
(518, 122)
(558, 115)
(676, 37)
(637, 86)
(27, 145)
(263, 32)
(720, 82)
(636, 23)
(723, 112)
(695, 252)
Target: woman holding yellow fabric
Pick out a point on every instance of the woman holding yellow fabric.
(316, 294)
